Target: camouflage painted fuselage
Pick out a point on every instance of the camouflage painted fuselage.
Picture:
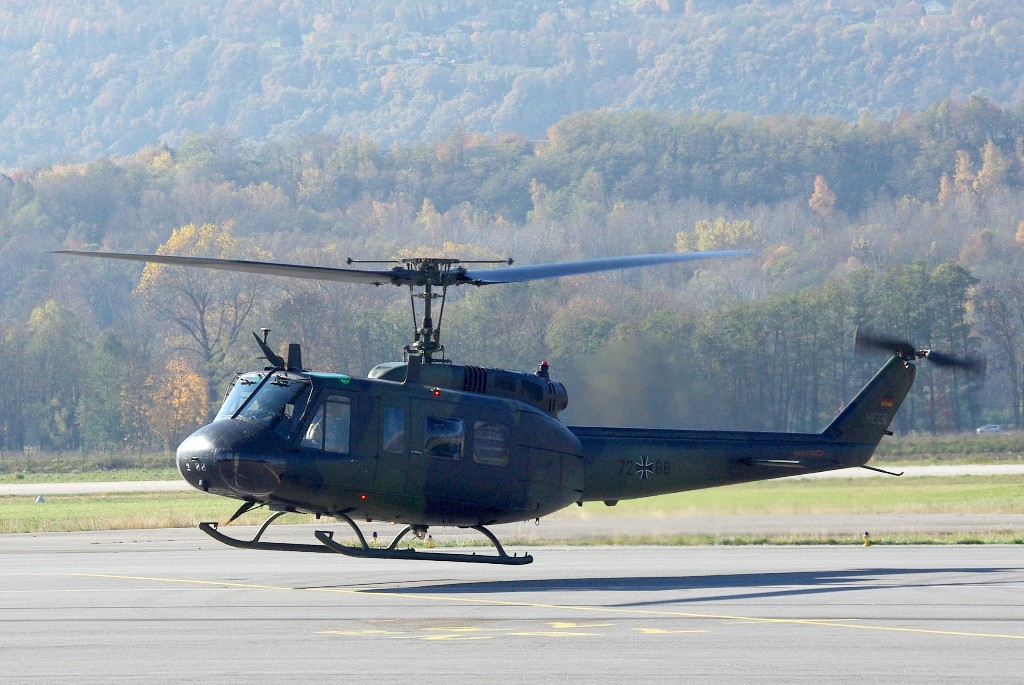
(431, 451)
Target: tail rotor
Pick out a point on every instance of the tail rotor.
(867, 340)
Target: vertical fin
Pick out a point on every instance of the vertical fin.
(866, 419)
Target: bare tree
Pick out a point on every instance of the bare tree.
(999, 307)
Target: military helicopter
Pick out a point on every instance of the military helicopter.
(426, 442)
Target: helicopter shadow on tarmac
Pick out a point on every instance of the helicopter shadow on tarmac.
(757, 585)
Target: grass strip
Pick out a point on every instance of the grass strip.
(121, 511)
(953, 495)
(91, 476)
(924, 495)
(969, 448)
(704, 539)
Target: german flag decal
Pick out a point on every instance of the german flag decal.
(887, 402)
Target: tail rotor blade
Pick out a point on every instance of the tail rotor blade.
(972, 365)
(867, 340)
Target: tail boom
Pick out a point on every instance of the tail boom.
(627, 463)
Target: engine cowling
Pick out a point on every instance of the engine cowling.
(534, 389)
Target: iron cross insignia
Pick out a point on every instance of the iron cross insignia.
(644, 468)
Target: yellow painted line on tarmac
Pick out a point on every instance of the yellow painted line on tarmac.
(662, 631)
(552, 633)
(826, 623)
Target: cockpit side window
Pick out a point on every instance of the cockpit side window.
(330, 428)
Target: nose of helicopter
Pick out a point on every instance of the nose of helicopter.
(230, 457)
(196, 457)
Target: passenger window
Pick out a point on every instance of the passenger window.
(331, 426)
(490, 443)
(392, 435)
(443, 437)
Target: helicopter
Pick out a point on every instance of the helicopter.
(426, 442)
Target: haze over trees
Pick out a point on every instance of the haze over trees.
(927, 246)
(872, 154)
(84, 79)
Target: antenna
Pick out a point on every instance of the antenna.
(268, 354)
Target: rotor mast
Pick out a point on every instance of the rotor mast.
(426, 337)
(428, 274)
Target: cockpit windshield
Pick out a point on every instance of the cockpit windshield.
(275, 403)
(240, 391)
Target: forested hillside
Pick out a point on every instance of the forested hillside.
(83, 79)
(914, 227)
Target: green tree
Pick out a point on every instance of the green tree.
(572, 334)
(17, 392)
(100, 411)
(56, 355)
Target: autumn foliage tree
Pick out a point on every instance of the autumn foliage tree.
(178, 402)
(717, 235)
(208, 310)
(823, 200)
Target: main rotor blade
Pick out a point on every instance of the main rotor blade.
(519, 274)
(398, 276)
(412, 276)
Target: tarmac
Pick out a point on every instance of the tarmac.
(175, 606)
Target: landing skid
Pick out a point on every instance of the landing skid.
(210, 528)
(365, 551)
